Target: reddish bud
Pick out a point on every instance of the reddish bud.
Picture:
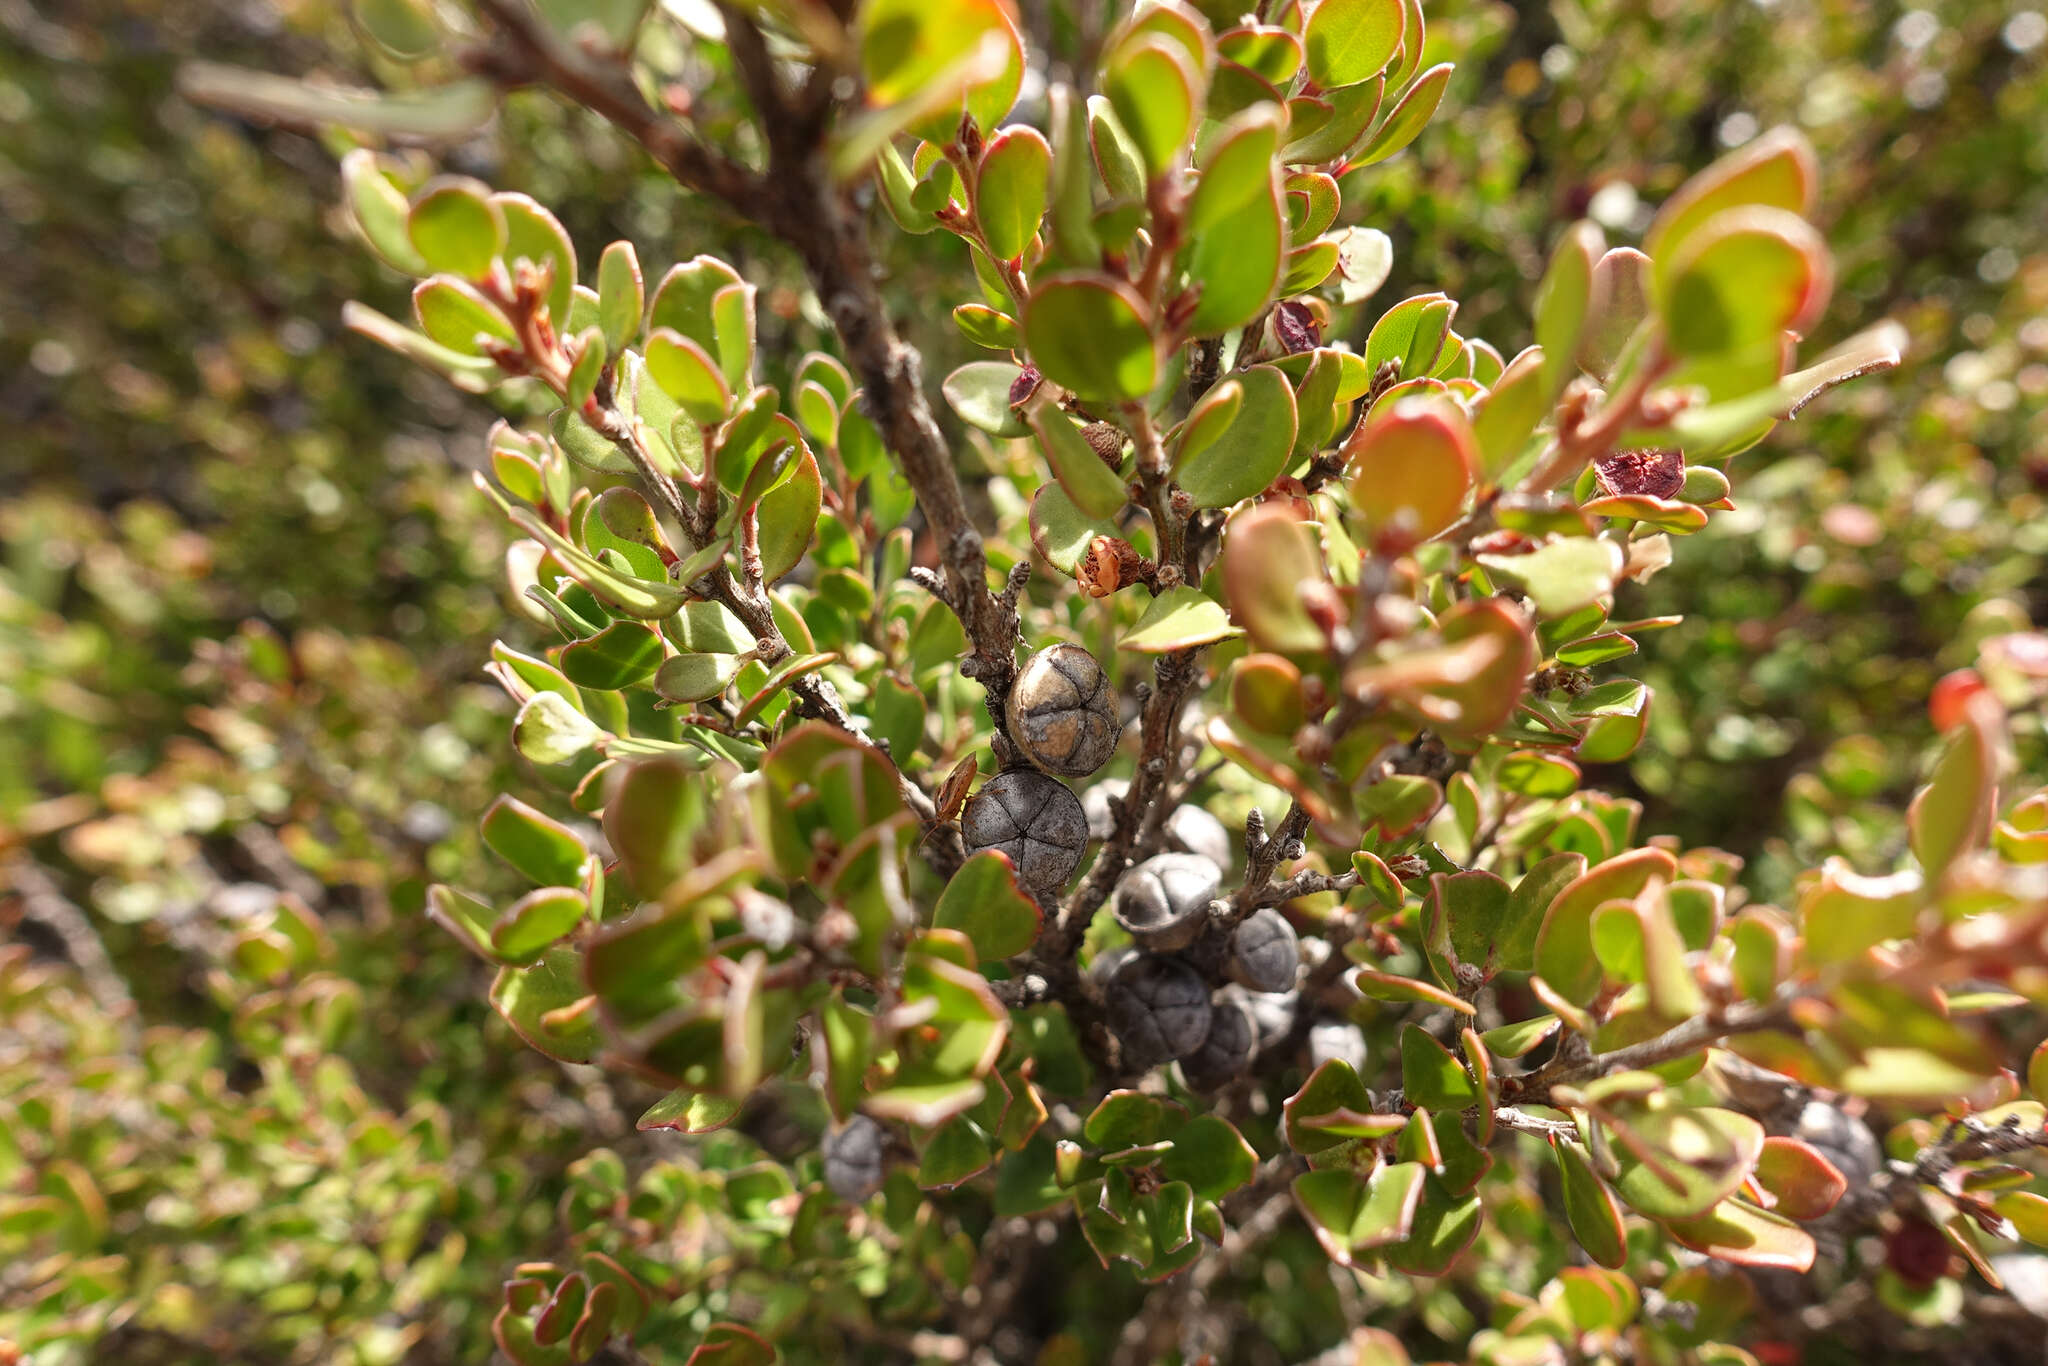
(1950, 701)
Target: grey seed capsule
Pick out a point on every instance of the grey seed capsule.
(1265, 953)
(1032, 818)
(1841, 1138)
(1192, 830)
(1105, 966)
(1226, 1052)
(1099, 802)
(1336, 1039)
(854, 1159)
(1062, 711)
(1164, 901)
(1272, 1011)
(1158, 1009)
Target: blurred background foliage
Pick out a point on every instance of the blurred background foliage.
(246, 591)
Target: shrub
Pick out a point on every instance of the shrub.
(1531, 1059)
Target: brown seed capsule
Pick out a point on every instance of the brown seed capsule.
(1032, 818)
(1158, 1009)
(854, 1159)
(1265, 953)
(1843, 1139)
(1164, 901)
(1063, 712)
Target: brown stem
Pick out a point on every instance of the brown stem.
(1741, 1018)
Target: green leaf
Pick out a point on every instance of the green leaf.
(451, 111)
(621, 295)
(1250, 453)
(690, 1112)
(1736, 1231)
(1117, 159)
(542, 1002)
(1476, 911)
(1094, 488)
(455, 316)
(1352, 109)
(1010, 189)
(1430, 1076)
(1211, 1156)
(1236, 224)
(1742, 281)
(1062, 532)
(1561, 575)
(1269, 556)
(1953, 813)
(536, 234)
(1590, 1207)
(1208, 419)
(1408, 118)
(1073, 183)
(622, 654)
(979, 392)
(1091, 333)
(686, 372)
(1026, 1182)
(1700, 1157)
(655, 807)
(732, 322)
(1154, 93)
(1777, 170)
(541, 848)
(1444, 1226)
(1411, 468)
(984, 902)
(1516, 1040)
(1348, 41)
(1805, 1184)
(1564, 954)
(984, 326)
(684, 301)
(456, 227)
(537, 920)
(1562, 301)
(465, 917)
(380, 211)
(1515, 951)
(1332, 1088)
(787, 518)
(958, 1152)
(1179, 619)
(1126, 1119)
(1510, 412)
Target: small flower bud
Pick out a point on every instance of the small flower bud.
(1062, 711)
(1106, 441)
(1265, 953)
(1025, 385)
(1032, 818)
(1158, 1009)
(1164, 901)
(1227, 1051)
(854, 1159)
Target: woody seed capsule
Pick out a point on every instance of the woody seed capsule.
(1227, 1051)
(854, 1159)
(1063, 712)
(1164, 901)
(1158, 1009)
(1265, 952)
(1033, 819)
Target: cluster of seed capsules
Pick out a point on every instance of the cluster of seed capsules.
(1200, 984)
